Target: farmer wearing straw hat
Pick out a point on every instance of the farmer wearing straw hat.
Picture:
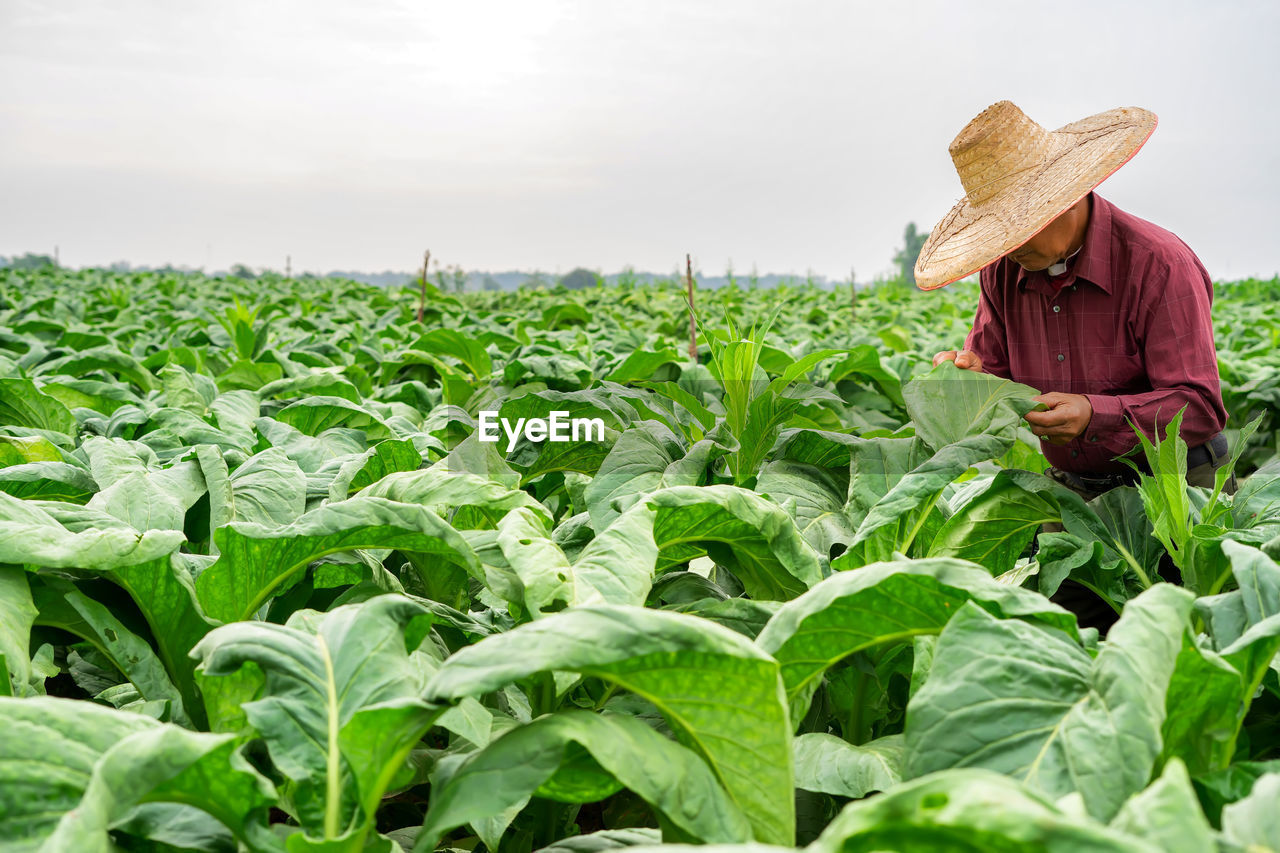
(1106, 312)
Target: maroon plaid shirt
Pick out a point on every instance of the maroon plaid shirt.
(1129, 328)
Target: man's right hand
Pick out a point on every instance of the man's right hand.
(964, 359)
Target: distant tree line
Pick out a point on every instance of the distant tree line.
(29, 261)
(454, 279)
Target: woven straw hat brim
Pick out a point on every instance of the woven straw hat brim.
(1083, 154)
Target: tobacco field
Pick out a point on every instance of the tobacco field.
(262, 588)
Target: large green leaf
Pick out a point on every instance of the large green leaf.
(61, 605)
(29, 534)
(995, 527)
(153, 499)
(1167, 814)
(968, 810)
(877, 465)
(721, 695)
(883, 604)
(255, 561)
(948, 405)
(832, 765)
(119, 364)
(314, 415)
(165, 594)
(466, 499)
(311, 452)
(615, 567)
(17, 615)
(863, 360)
(169, 764)
(1254, 822)
(56, 481)
(815, 497)
(750, 535)
(1215, 682)
(339, 708)
(452, 343)
(1067, 723)
(267, 488)
(21, 450)
(507, 773)
(47, 754)
(902, 515)
(646, 457)
(69, 770)
(386, 457)
(23, 405)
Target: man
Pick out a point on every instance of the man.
(1106, 312)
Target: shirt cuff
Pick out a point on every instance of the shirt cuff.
(1108, 418)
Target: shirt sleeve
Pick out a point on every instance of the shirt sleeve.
(987, 338)
(1181, 363)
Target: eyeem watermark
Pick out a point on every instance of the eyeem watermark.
(559, 427)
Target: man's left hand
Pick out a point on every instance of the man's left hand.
(1067, 418)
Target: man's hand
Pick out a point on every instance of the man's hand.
(964, 359)
(1067, 418)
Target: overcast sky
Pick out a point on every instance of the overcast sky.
(790, 135)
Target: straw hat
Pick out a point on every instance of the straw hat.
(1019, 177)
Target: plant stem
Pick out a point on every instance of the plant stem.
(422, 295)
(915, 528)
(1133, 564)
(854, 733)
(608, 694)
(546, 693)
(693, 326)
(333, 770)
(1084, 583)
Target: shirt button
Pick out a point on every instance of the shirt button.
(1057, 308)
(1075, 453)
(1061, 357)
(1093, 438)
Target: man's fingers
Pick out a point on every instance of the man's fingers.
(1050, 418)
(963, 359)
(1056, 429)
(1051, 399)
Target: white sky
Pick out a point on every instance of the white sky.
(789, 134)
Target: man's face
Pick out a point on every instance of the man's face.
(1059, 239)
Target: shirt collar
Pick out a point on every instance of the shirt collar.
(1093, 261)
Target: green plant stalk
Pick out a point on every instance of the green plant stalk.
(854, 733)
(608, 694)
(1143, 577)
(333, 771)
(1250, 690)
(1084, 583)
(915, 528)
(546, 694)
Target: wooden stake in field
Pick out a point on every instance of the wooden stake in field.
(288, 266)
(422, 296)
(693, 326)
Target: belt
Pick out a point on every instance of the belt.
(1214, 450)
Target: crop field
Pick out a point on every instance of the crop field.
(284, 569)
